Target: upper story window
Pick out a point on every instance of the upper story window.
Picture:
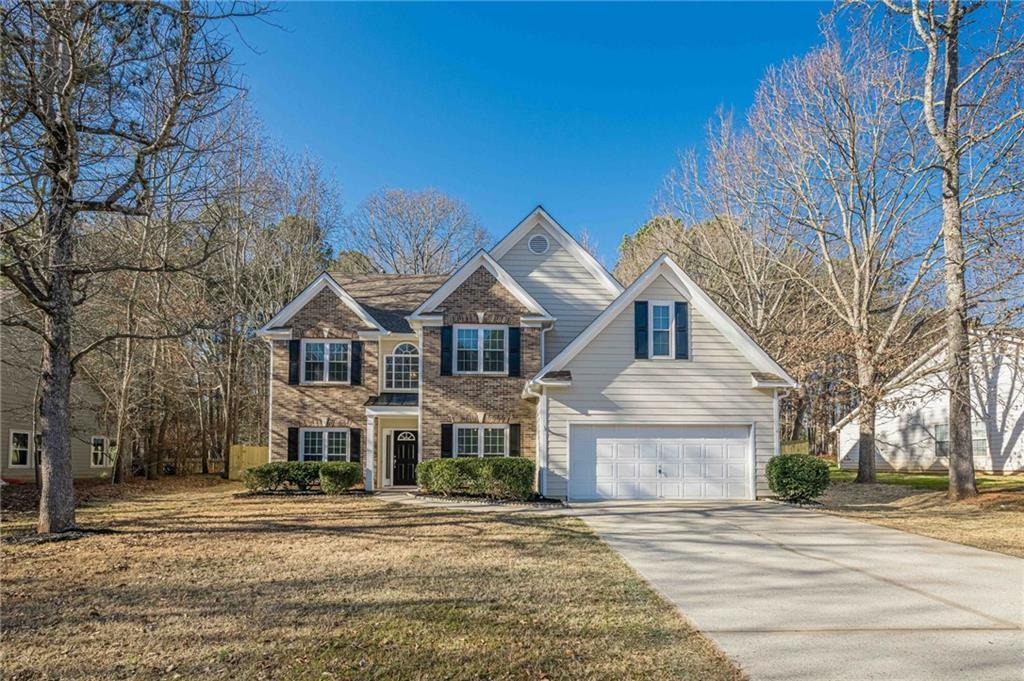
(325, 361)
(19, 450)
(662, 324)
(402, 368)
(481, 349)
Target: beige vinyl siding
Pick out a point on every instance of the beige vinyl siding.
(610, 386)
(19, 392)
(560, 283)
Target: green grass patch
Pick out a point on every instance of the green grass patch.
(930, 481)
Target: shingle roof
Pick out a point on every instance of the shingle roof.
(393, 400)
(390, 297)
(562, 375)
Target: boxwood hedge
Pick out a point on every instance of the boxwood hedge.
(495, 478)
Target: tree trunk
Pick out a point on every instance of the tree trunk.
(57, 492)
(958, 356)
(866, 418)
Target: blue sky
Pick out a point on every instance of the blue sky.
(580, 107)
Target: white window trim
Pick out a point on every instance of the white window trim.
(326, 362)
(479, 349)
(671, 328)
(323, 444)
(479, 427)
(106, 452)
(10, 448)
(419, 368)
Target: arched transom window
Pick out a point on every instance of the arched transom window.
(402, 368)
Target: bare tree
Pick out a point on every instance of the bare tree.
(845, 175)
(97, 99)
(970, 100)
(423, 232)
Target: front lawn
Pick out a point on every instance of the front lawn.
(932, 481)
(917, 503)
(198, 583)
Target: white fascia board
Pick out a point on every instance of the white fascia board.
(275, 334)
(540, 216)
(770, 384)
(686, 286)
(325, 280)
(480, 259)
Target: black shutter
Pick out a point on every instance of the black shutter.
(446, 440)
(682, 330)
(293, 444)
(513, 439)
(293, 362)
(356, 367)
(640, 329)
(355, 443)
(514, 343)
(446, 351)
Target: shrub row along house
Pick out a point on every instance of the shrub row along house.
(531, 349)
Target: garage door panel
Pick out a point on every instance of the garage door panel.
(651, 462)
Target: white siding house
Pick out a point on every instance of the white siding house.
(619, 427)
(911, 427)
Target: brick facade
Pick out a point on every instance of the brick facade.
(444, 399)
(463, 399)
(320, 406)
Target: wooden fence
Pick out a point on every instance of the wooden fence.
(246, 456)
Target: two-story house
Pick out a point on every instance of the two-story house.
(530, 349)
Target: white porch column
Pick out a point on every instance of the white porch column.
(371, 431)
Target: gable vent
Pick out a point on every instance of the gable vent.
(539, 244)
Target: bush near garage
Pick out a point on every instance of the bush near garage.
(798, 478)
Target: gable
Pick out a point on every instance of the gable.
(481, 292)
(277, 326)
(665, 280)
(481, 298)
(539, 219)
(559, 282)
(326, 315)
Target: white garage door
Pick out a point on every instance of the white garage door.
(659, 462)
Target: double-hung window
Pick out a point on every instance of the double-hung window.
(481, 349)
(662, 327)
(324, 444)
(98, 448)
(325, 361)
(19, 451)
(481, 440)
(402, 368)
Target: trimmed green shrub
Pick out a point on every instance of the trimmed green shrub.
(797, 477)
(496, 478)
(266, 478)
(302, 474)
(339, 477)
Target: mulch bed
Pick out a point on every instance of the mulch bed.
(541, 502)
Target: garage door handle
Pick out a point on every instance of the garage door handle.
(659, 470)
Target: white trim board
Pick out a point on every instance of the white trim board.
(664, 266)
(325, 280)
(540, 217)
(480, 259)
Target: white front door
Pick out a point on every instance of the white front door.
(659, 462)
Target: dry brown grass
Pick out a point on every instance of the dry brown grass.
(199, 583)
(993, 521)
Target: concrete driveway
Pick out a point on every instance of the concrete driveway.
(793, 594)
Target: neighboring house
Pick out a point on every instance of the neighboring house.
(912, 423)
(20, 386)
(532, 349)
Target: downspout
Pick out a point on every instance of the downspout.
(775, 419)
